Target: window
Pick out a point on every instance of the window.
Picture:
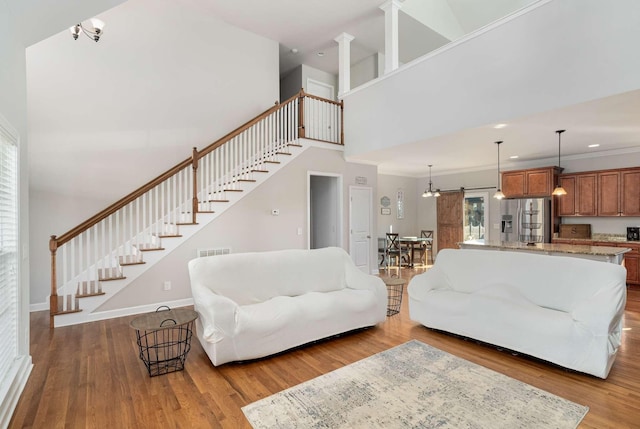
(8, 252)
(474, 216)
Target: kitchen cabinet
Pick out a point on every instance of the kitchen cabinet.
(581, 195)
(535, 182)
(630, 192)
(600, 193)
(609, 193)
(631, 259)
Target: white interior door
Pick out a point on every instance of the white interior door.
(320, 89)
(360, 221)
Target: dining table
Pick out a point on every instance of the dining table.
(411, 243)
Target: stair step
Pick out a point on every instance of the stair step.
(271, 162)
(247, 180)
(90, 288)
(294, 144)
(283, 153)
(107, 274)
(217, 201)
(259, 171)
(232, 190)
(205, 211)
(130, 260)
(186, 223)
(170, 235)
(72, 305)
(148, 247)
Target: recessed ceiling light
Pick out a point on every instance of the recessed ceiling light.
(593, 145)
(514, 157)
(498, 126)
(294, 51)
(320, 54)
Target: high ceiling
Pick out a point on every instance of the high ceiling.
(309, 27)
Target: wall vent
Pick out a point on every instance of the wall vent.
(213, 252)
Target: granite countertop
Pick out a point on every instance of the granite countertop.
(552, 247)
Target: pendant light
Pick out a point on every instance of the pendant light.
(559, 190)
(430, 192)
(498, 195)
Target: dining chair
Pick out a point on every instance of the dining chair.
(394, 249)
(382, 250)
(427, 247)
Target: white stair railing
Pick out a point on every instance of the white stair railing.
(97, 249)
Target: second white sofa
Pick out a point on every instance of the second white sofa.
(256, 304)
(563, 310)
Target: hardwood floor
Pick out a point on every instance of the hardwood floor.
(90, 375)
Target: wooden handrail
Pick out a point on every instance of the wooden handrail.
(315, 97)
(213, 146)
(74, 232)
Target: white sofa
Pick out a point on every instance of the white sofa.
(256, 304)
(563, 310)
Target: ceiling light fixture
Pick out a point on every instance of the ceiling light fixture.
(498, 195)
(92, 31)
(498, 126)
(594, 145)
(320, 54)
(514, 157)
(430, 192)
(559, 190)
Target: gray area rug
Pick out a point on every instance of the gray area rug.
(414, 386)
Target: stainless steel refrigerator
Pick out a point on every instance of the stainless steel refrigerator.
(527, 220)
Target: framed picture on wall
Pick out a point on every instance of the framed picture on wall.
(385, 210)
(400, 204)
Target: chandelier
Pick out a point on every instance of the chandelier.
(93, 31)
(430, 192)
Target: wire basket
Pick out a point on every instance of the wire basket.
(164, 349)
(394, 298)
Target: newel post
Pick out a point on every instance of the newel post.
(301, 133)
(342, 122)
(194, 166)
(53, 297)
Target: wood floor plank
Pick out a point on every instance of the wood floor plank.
(90, 375)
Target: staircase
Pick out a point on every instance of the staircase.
(107, 252)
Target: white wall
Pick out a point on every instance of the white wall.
(559, 54)
(291, 83)
(249, 226)
(388, 186)
(105, 118)
(365, 70)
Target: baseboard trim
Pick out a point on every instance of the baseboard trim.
(41, 306)
(121, 312)
(12, 387)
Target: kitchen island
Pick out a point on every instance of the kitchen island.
(599, 253)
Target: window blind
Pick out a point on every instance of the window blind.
(8, 252)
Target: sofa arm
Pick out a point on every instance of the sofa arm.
(602, 312)
(356, 279)
(422, 284)
(218, 314)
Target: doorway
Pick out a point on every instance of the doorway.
(324, 208)
(320, 89)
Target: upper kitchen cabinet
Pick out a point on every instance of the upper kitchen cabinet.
(581, 195)
(535, 182)
(630, 193)
(619, 192)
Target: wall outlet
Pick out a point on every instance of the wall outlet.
(167, 285)
(299, 230)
